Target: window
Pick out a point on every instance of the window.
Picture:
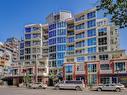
(27, 57)
(61, 32)
(80, 59)
(80, 44)
(91, 15)
(80, 67)
(52, 26)
(80, 51)
(92, 50)
(105, 80)
(102, 49)
(21, 45)
(80, 26)
(102, 31)
(68, 77)
(27, 43)
(52, 56)
(91, 41)
(104, 67)
(120, 66)
(80, 18)
(27, 36)
(61, 47)
(52, 33)
(27, 50)
(52, 41)
(80, 35)
(60, 63)
(91, 23)
(102, 41)
(92, 68)
(103, 57)
(27, 29)
(68, 69)
(91, 32)
(69, 48)
(91, 58)
(60, 55)
(61, 24)
(61, 39)
(70, 40)
(52, 49)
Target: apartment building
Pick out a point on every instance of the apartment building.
(93, 52)
(57, 30)
(34, 52)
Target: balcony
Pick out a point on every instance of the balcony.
(80, 72)
(105, 71)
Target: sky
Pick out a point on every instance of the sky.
(15, 14)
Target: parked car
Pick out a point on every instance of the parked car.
(37, 85)
(70, 84)
(112, 87)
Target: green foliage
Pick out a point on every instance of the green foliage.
(117, 9)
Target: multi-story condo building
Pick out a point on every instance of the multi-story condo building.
(57, 30)
(92, 48)
(34, 52)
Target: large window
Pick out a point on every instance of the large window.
(60, 55)
(91, 23)
(27, 36)
(68, 69)
(52, 49)
(52, 41)
(27, 29)
(104, 67)
(61, 39)
(61, 47)
(103, 57)
(91, 32)
(60, 63)
(80, 59)
(120, 66)
(61, 24)
(80, 35)
(80, 26)
(80, 51)
(69, 48)
(52, 26)
(80, 44)
(27, 43)
(52, 33)
(61, 32)
(68, 77)
(91, 58)
(70, 40)
(91, 15)
(102, 41)
(52, 56)
(103, 48)
(102, 31)
(91, 41)
(92, 50)
(92, 68)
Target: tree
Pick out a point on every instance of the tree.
(117, 9)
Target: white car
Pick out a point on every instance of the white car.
(111, 87)
(70, 84)
(38, 85)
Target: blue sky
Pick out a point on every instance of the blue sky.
(14, 14)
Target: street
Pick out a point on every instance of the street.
(50, 91)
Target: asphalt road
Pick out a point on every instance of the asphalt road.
(50, 91)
